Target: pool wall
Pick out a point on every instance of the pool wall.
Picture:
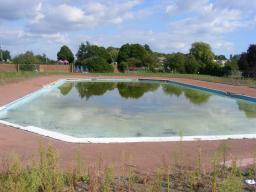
(67, 138)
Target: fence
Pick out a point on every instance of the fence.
(36, 67)
(8, 68)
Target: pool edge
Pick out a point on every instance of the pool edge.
(71, 139)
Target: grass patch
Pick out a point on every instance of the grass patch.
(6, 77)
(45, 175)
(9, 77)
(226, 80)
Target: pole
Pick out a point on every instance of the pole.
(1, 54)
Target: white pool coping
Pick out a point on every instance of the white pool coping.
(71, 139)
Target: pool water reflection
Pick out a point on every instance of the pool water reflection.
(134, 109)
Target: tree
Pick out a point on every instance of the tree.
(251, 55)
(123, 66)
(65, 54)
(134, 54)
(124, 53)
(243, 62)
(175, 62)
(87, 51)
(98, 64)
(27, 61)
(220, 57)
(138, 51)
(151, 62)
(5, 55)
(82, 51)
(202, 52)
(113, 52)
(191, 65)
(26, 58)
(147, 48)
(43, 59)
(247, 62)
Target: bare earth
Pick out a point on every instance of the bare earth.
(144, 156)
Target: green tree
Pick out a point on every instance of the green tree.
(4, 55)
(243, 62)
(191, 65)
(202, 52)
(133, 54)
(151, 62)
(138, 52)
(220, 57)
(87, 50)
(123, 66)
(43, 59)
(98, 64)
(82, 51)
(113, 52)
(124, 53)
(65, 54)
(175, 63)
(247, 62)
(147, 48)
(26, 61)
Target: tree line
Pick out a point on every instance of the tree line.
(199, 60)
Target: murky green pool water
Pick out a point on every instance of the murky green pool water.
(134, 109)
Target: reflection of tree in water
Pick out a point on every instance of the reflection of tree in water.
(248, 108)
(88, 89)
(171, 90)
(135, 90)
(65, 88)
(196, 97)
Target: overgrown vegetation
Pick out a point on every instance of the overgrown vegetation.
(45, 175)
(136, 57)
(8, 77)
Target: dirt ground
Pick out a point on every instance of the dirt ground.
(143, 156)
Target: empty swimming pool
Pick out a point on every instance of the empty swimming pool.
(122, 110)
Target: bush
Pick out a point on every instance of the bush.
(27, 67)
(98, 64)
(123, 66)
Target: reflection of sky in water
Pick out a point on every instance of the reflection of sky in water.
(96, 109)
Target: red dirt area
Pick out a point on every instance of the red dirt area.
(142, 156)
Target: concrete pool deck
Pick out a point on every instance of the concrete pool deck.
(146, 156)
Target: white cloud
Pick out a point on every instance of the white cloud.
(94, 14)
(17, 9)
(167, 25)
(38, 14)
(70, 13)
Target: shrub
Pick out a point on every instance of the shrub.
(123, 66)
(98, 64)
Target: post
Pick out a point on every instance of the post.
(1, 55)
(18, 67)
(71, 67)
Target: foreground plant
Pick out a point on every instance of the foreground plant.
(44, 175)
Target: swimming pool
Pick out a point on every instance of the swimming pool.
(131, 110)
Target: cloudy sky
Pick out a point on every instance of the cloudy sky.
(166, 25)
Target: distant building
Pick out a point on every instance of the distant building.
(63, 62)
(220, 62)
